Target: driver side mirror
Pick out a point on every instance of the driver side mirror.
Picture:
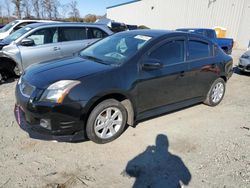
(27, 42)
(152, 64)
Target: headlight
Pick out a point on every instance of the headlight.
(56, 92)
(245, 56)
(19, 81)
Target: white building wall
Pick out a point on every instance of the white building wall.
(171, 14)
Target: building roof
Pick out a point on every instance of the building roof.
(129, 2)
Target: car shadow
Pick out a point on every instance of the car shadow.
(236, 70)
(8, 80)
(156, 167)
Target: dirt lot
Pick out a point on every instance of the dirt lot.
(199, 146)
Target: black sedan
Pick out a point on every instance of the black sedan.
(118, 81)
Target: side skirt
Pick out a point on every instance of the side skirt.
(168, 108)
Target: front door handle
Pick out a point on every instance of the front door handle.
(182, 74)
(213, 66)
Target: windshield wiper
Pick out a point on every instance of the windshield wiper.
(95, 59)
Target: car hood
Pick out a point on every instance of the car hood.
(247, 53)
(3, 43)
(3, 35)
(73, 68)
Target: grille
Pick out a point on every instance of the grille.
(26, 89)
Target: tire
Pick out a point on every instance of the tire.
(1, 77)
(106, 122)
(213, 98)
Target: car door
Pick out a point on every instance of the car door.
(74, 39)
(203, 66)
(46, 47)
(162, 76)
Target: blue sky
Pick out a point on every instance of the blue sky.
(95, 6)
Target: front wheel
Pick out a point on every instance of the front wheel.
(1, 77)
(216, 92)
(106, 122)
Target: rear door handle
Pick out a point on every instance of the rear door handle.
(87, 44)
(57, 48)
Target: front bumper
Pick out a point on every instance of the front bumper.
(66, 120)
(244, 65)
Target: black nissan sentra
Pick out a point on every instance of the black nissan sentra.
(118, 81)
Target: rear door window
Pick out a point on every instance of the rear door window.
(96, 33)
(198, 49)
(170, 53)
(72, 34)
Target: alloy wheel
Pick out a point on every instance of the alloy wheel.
(217, 92)
(108, 123)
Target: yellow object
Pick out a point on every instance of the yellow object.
(221, 32)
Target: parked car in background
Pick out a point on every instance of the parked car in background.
(1, 26)
(225, 43)
(15, 25)
(124, 78)
(40, 42)
(244, 62)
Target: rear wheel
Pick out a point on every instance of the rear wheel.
(106, 121)
(216, 92)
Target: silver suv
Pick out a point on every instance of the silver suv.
(41, 42)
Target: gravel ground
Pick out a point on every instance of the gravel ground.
(199, 147)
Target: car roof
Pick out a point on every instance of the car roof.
(159, 33)
(195, 29)
(150, 32)
(58, 24)
(48, 21)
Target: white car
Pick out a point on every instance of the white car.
(15, 25)
(244, 62)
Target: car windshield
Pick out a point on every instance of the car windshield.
(8, 26)
(116, 49)
(16, 34)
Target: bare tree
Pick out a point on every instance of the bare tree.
(7, 6)
(64, 10)
(50, 9)
(74, 12)
(47, 6)
(18, 6)
(26, 4)
(36, 8)
(1, 13)
(56, 6)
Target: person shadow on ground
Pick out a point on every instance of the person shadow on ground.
(156, 167)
